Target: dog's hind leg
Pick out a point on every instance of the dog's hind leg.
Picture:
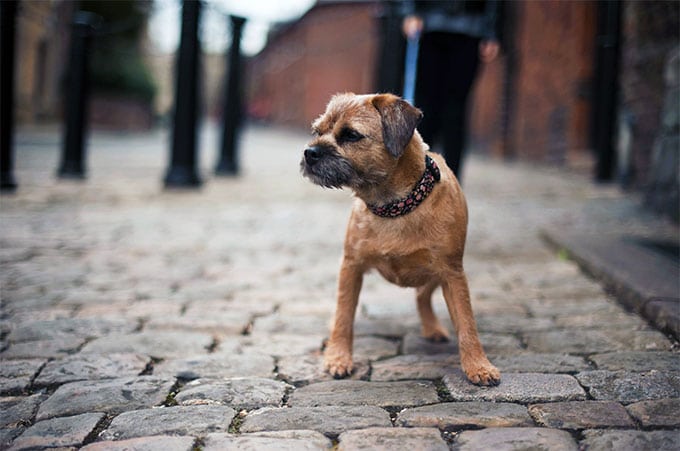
(431, 328)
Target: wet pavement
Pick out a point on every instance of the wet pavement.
(139, 318)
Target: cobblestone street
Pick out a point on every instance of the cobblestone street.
(139, 318)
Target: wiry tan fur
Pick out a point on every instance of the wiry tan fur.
(422, 249)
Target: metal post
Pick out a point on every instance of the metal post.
(76, 100)
(8, 12)
(182, 170)
(232, 107)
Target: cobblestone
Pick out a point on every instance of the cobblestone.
(465, 415)
(91, 367)
(657, 413)
(110, 396)
(218, 365)
(138, 318)
(155, 443)
(269, 441)
(516, 439)
(238, 393)
(612, 440)
(626, 387)
(517, 387)
(331, 420)
(575, 415)
(58, 432)
(387, 439)
(170, 421)
(362, 393)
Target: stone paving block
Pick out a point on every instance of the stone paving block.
(91, 367)
(571, 341)
(516, 387)
(280, 345)
(268, 441)
(70, 327)
(291, 324)
(219, 323)
(640, 340)
(603, 440)
(363, 393)
(374, 348)
(389, 439)
(8, 434)
(155, 443)
(414, 366)
(48, 349)
(58, 432)
(19, 410)
(16, 375)
(385, 327)
(539, 363)
(330, 421)
(627, 387)
(238, 393)
(636, 361)
(595, 320)
(657, 413)
(515, 439)
(308, 369)
(178, 420)
(156, 344)
(493, 344)
(465, 415)
(110, 396)
(218, 366)
(576, 415)
(510, 324)
(569, 306)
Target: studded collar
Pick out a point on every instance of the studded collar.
(423, 188)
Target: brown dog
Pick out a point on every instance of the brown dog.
(409, 220)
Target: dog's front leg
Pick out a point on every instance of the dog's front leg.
(473, 360)
(338, 354)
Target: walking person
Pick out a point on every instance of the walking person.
(455, 35)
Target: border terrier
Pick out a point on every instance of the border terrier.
(408, 221)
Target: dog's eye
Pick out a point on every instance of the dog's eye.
(350, 135)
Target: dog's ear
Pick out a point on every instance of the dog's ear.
(399, 120)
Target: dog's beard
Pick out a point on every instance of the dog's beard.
(330, 172)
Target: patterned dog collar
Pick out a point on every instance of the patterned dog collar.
(409, 203)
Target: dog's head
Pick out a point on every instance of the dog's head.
(358, 140)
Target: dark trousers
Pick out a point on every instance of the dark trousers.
(447, 65)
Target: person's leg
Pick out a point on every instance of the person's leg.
(462, 69)
(430, 85)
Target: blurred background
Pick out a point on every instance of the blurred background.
(589, 86)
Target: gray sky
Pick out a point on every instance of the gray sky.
(165, 22)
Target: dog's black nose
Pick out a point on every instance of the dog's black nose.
(313, 154)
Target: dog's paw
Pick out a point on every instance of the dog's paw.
(436, 335)
(483, 374)
(338, 363)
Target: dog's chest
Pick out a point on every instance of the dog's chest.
(407, 270)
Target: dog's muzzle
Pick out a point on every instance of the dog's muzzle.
(325, 167)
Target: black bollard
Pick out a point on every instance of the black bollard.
(8, 12)
(182, 171)
(233, 104)
(77, 93)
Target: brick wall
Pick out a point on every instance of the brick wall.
(331, 49)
